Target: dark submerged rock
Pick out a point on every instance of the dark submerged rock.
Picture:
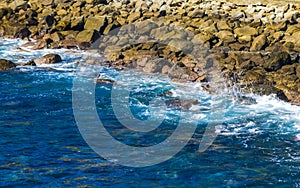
(6, 65)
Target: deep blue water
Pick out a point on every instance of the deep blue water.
(40, 143)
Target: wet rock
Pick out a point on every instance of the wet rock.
(6, 65)
(48, 59)
(180, 73)
(105, 81)
(29, 63)
(155, 65)
(182, 104)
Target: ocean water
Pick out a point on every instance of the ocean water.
(257, 140)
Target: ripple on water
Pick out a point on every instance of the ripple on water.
(40, 145)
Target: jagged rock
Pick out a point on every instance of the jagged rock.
(180, 73)
(277, 60)
(48, 59)
(6, 65)
(16, 5)
(47, 2)
(87, 36)
(23, 33)
(222, 25)
(226, 36)
(196, 13)
(246, 31)
(155, 65)
(259, 43)
(134, 16)
(4, 12)
(77, 24)
(50, 20)
(97, 23)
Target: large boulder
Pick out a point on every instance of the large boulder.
(277, 60)
(23, 33)
(97, 23)
(48, 59)
(134, 16)
(246, 32)
(226, 36)
(6, 65)
(259, 43)
(16, 5)
(87, 36)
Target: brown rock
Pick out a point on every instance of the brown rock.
(23, 33)
(246, 31)
(16, 5)
(6, 65)
(259, 43)
(226, 36)
(134, 16)
(97, 23)
(29, 63)
(47, 2)
(298, 71)
(87, 36)
(48, 59)
(277, 60)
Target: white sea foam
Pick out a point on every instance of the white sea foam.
(272, 109)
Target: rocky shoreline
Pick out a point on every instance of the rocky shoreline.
(254, 46)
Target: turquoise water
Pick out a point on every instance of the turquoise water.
(40, 144)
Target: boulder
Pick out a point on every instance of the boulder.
(47, 2)
(29, 63)
(180, 73)
(77, 24)
(226, 36)
(48, 59)
(155, 65)
(23, 33)
(259, 43)
(87, 36)
(196, 13)
(222, 25)
(16, 5)
(134, 16)
(6, 65)
(246, 31)
(97, 23)
(277, 60)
